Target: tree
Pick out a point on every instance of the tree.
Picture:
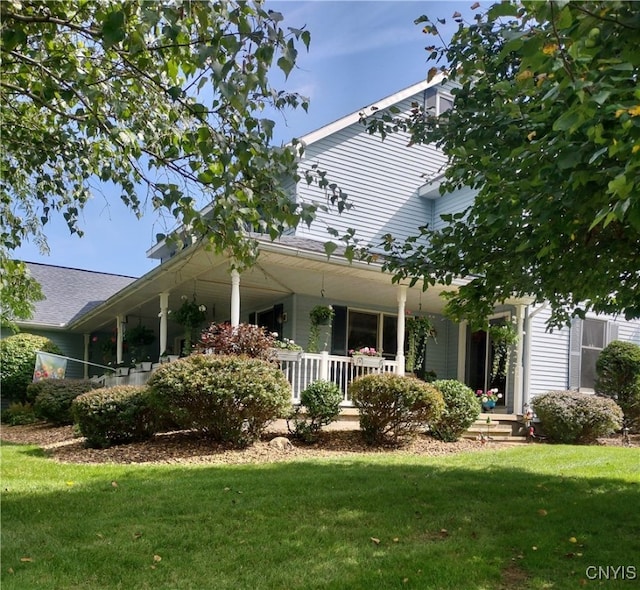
(165, 101)
(546, 126)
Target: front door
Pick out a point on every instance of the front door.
(486, 364)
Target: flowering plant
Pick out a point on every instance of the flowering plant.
(365, 351)
(491, 395)
(286, 344)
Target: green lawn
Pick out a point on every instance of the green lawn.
(534, 516)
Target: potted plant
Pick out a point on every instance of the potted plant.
(320, 315)
(419, 330)
(366, 356)
(488, 398)
(287, 350)
(138, 338)
(503, 337)
(190, 315)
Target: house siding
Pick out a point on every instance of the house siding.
(454, 202)
(381, 179)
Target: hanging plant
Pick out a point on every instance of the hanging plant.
(320, 315)
(503, 337)
(138, 338)
(190, 315)
(419, 330)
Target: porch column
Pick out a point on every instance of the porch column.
(235, 298)
(87, 340)
(518, 372)
(402, 300)
(164, 316)
(120, 323)
(462, 350)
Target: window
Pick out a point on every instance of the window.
(594, 336)
(375, 330)
(439, 102)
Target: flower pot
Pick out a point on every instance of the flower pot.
(144, 366)
(288, 355)
(122, 371)
(362, 360)
(488, 405)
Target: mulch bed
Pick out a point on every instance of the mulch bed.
(190, 448)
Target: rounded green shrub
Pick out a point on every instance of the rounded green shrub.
(17, 362)
(230, 398)
(572, 417)
(461, 410)
(319, 406)
(53, 397)
(618, 378)
(18, 414)
(393, 407)
(114, 415)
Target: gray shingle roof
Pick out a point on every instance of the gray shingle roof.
(70, 292)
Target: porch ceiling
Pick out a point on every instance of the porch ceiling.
(280, 271)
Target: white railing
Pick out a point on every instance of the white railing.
(301, 370)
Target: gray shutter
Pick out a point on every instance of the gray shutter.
(612, 332)
(575, 353)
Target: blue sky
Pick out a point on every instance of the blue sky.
(360, 52)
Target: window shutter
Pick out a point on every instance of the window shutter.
(278, 310)
(339, 331)
(253, 318)
(575, 353)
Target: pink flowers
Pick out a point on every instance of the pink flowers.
(365, 351)
(491, 395)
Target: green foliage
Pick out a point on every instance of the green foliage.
(157, 98)
(244, 339)
(114, 415)
(18, 360)
(230, 398)
(393, 407)
(419, 330)
(461, 409)
(52, 398)
(19, 292)
(19, 413)
(618, 377)
(570, 417)
(545, 126)
(320, 315)
(319, 406)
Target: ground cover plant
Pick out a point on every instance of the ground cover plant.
(530, 517)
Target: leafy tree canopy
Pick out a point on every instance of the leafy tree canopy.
(165, 102)
(546, 125)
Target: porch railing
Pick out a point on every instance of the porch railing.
(301, 370)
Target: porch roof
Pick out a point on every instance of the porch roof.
(287, 266)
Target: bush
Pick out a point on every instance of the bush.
(114, 415)
(53, 397)
(17, 362)
(393, 407)
(243, 340)
(572, 417)
(18, 414)
(618, 378)
(321, 403)
(461, 409)
(230, 398)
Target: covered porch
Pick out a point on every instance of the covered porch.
(290, 278)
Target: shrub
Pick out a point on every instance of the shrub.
(230, 398)
(244, 340)
(618, 378)
(392, 406)
(17, 362)
(19, 413)
(321, 403)
(572, 417)
(461, 409)
(114, 415)
(53, 397)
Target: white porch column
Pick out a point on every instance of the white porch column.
(518, 372)
(87, 340)
(235, 298)
(324, 365)
(164, 316)
(462, 350)
(402, 301)
(119, 337)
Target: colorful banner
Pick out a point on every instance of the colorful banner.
(49, 366)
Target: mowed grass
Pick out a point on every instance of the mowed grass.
(530, 517)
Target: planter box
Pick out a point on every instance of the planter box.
(288, 355)
(122, 371)
(362, 360)
(144, 366)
